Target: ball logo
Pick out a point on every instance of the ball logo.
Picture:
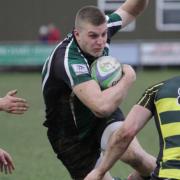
(107, 67)
(114, 83)
(107, 71)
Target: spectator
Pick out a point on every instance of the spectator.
(53, 34)
(43, 34)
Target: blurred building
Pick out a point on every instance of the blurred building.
(152, 40)
(21, 20)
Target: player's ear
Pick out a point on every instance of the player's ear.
(76, 33)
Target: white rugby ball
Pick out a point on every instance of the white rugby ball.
(107, 71)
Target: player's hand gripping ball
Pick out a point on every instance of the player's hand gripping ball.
(107, 71)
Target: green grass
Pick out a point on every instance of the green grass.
(24, 137)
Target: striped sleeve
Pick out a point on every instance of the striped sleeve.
(114, 24)
(148, 97)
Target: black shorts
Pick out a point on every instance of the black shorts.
(80, 156)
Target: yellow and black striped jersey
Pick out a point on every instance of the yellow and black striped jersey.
(163, 100)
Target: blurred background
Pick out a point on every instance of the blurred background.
(30, 29)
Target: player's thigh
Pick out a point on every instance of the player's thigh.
(133, 155)
(79, 157)
(112, 123)
(107, 133)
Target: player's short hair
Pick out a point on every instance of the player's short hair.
(89, 14)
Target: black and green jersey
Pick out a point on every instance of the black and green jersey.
(66, 67)
(163, 100)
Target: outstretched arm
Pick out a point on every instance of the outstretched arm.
(130, 9)
(120, 140)
(12, 104)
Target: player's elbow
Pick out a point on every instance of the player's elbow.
(103, 107)
(134, 8)
(103, 111)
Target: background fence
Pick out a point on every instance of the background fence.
(136, 53)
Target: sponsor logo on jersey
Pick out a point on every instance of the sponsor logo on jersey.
(80, 69)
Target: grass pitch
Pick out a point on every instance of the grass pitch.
(24, 137)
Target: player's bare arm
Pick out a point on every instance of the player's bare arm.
(131, 9)
(120, 140)
(103, 103)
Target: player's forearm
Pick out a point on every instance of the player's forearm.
(118, 143)
(112, 97)
(119, 92)
(135, 7)
(116, 147)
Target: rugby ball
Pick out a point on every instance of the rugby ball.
(107, 71)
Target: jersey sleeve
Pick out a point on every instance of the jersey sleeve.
(71, 68)
(114, 24)
(78, 71)
(148, 97)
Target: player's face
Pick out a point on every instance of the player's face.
(92, 39)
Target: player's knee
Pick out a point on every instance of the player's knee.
(133, 159)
